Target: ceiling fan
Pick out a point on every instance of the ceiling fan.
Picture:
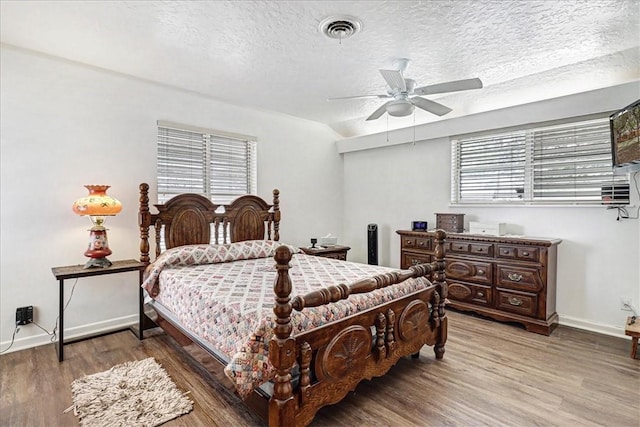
(405, 95)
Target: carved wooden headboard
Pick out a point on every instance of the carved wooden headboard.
(189, 219)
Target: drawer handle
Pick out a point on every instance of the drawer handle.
(515, 277)
(479, 249)
(515, 301)
(459, 247)
(415, 261)
(480, 294)
(525, 253)
(408, 242)
(480, 271)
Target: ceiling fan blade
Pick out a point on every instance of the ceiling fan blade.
(360, 97)
(430, 106)
(394, 79)
(379, 112)
(453, 86)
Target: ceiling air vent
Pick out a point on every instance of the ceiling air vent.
(340, 27)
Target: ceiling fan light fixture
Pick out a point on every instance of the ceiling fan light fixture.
(400, 108)
(406, 96)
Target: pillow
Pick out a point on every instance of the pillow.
(211, 254)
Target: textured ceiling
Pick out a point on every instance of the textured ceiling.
(272, 56)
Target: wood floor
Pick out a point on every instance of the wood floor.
(492, 374)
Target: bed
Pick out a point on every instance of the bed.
(294, 332)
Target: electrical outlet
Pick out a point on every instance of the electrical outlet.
(625, 304)
(24, 315)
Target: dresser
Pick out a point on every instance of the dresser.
(510, 279)
(336, 251)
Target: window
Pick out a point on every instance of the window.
(563, 164)
(218, 165)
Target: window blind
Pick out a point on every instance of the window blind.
(573, 163)
(217, 165)
(563, 164)
(489, 168)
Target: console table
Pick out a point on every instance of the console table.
(78, 271)
(511, 279)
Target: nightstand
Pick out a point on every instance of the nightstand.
(78, 271)
(336, 251)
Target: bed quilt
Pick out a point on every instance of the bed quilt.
(224, 294)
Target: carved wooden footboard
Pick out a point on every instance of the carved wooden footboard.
(334, 358)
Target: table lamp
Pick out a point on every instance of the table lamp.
(97, 205)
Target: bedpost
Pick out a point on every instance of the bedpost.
(276, 214)
(439, 278)
(144, 221)
(282, 348)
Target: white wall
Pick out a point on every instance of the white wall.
(64, 125)
(392, 183)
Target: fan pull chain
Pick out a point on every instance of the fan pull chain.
(387, 128)
(414, 127)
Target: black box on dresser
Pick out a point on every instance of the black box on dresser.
(510, 279)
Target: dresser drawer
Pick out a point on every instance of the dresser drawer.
(517, 302)
(410, 258)
(468, 292)
(525, 253)
(520, 278)
(474, 271)
(336, 255)
(460, 247)
(416, 243)
(482, 249)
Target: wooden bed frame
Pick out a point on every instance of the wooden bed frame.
(333, 358)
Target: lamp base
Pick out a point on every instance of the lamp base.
(97, 263)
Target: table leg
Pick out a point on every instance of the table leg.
(61, 322)
(140, 309)
(634, 347)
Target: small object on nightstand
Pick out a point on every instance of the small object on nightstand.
(632, 329)
(313, 242)
(328, 240)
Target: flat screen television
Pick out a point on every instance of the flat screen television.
(625, 138)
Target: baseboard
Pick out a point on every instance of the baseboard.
(70, 333)
(615, 331)
(126, 321)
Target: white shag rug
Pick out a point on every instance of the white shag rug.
(138, 393)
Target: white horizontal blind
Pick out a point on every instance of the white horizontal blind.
(232, 168)
(566, 164)
(193, 160)
(181, 167)
(490, 168)
(572, 163)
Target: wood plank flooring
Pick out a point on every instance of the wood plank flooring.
(493, 374)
